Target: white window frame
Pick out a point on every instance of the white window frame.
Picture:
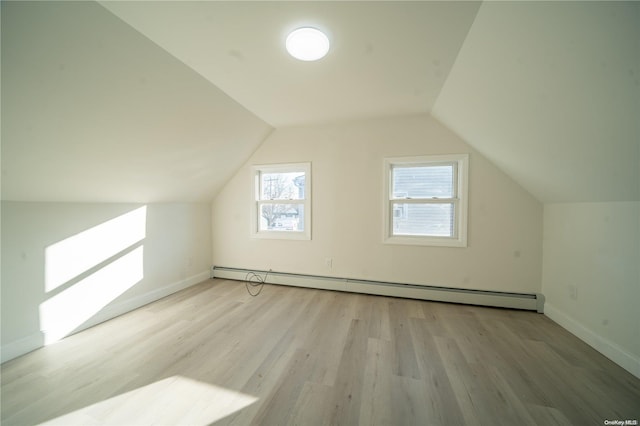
(256, 202)
(459, 201)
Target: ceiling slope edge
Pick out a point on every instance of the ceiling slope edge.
(95, 112)
(549, 91)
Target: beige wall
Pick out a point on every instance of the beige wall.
(505, 222)
(174, 252)
(591, 275)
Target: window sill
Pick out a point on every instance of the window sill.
(281, 235)
(426, 241)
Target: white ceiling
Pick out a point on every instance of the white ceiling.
(163, 101)
(94, 112)
(550, 92)
(386, 58)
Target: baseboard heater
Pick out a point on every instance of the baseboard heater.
(527, 301)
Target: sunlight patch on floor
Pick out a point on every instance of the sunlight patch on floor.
(171, 401)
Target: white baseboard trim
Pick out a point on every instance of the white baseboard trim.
(27, 344)
(21, 346)
(112, 311)
(614, 352)
(532, 302)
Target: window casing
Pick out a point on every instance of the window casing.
(425, 200)
(281, 201)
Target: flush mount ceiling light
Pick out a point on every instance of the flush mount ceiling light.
(307, 44)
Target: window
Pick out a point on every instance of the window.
(426, 200)
(282, 201)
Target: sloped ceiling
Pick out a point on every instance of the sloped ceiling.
(92, 111)
(387, 58)
(163, 101)
(550, 92)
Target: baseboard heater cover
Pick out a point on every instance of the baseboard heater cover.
(526, 301)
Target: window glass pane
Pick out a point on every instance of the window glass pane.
(423, 181)
(434, 220)
(282, 186)
(282, 217)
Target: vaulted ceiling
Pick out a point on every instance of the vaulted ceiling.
(164, 100)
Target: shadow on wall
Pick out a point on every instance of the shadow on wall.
(87, 271)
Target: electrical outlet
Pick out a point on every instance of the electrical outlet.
(328, 262)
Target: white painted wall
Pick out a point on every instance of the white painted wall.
(505, 221)
(176, 253)
(591, 275)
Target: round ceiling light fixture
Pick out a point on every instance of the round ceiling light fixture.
(307, 44)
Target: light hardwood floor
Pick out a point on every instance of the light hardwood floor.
(212, 354)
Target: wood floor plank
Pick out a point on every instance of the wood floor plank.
(459, 377)
(376, 387)
(286, 392)
(312, 406)
(347, 395)
(547, 416)
(213, 354)
(516, 364)
(443, 405)
(408, 402)
(405, 363)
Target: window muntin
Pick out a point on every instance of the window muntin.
(418, 181)
(424, 220)
(281, 217)
(282, 201)
(426, 200)
(282, 186)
